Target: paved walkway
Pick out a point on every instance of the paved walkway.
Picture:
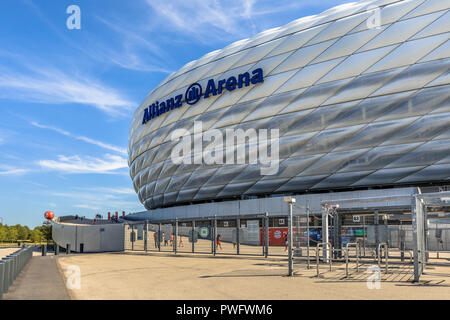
(140, 275)
(39, 280)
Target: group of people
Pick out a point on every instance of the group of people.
(170, 241)
(167, 241)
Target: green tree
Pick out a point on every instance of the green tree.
(19, 232)
(23, 232)
(3, 232)
(46, 231)
(12, 234)
(36, 235)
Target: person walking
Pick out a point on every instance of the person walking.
(286, 242)
(181, 242)
(166, 239)
(219, 241)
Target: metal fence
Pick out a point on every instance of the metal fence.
(361, 242)
(249, 237)
(11, 265)
(258, 235)
(438, 237)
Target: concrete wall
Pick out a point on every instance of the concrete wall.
(96, 238)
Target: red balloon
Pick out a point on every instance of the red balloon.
(49, 215)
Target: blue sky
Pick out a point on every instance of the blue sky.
(67, 96)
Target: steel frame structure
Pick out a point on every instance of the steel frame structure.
(418, 216)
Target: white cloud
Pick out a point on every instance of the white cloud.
(12, 171)
(92, 196)
(124, 53)
(76, 164)
(32, 80)
(102, 199)
(219, 19)
(82, 138)
(87, 206)
(124, 191)
(135, 52)
(200, 17)
(56, 87)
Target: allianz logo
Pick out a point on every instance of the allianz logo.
(195, 92)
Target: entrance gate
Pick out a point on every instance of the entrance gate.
(333, 215)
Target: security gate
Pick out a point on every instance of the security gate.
(332, 215)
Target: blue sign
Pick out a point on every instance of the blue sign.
(195, 92)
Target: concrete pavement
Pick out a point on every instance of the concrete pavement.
(40, 279)
(137, 275)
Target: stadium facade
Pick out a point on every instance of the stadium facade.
(359, 96)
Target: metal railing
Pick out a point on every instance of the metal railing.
(11, 265)
(358, 252)
(410, 256)
(386, 255)
(328, 245)
(201, 235)
(437, 252)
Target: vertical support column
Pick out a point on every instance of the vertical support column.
(298, 237)
(307, 236)
(146, 236)
(211, 228)
(238, 229)
(325, 234)
(215, 235)
(425, 228)
(159, 236)
(364, 235)
(376, 220)
(76, 238)
(125, 236)
(401, 236)
(266, 234)
(337, 234)
(133, 237)
(263, 237)
(418, 237)
(175, 236)
(290, 239)
(385, 221)
(193, 236)
(2, 277)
